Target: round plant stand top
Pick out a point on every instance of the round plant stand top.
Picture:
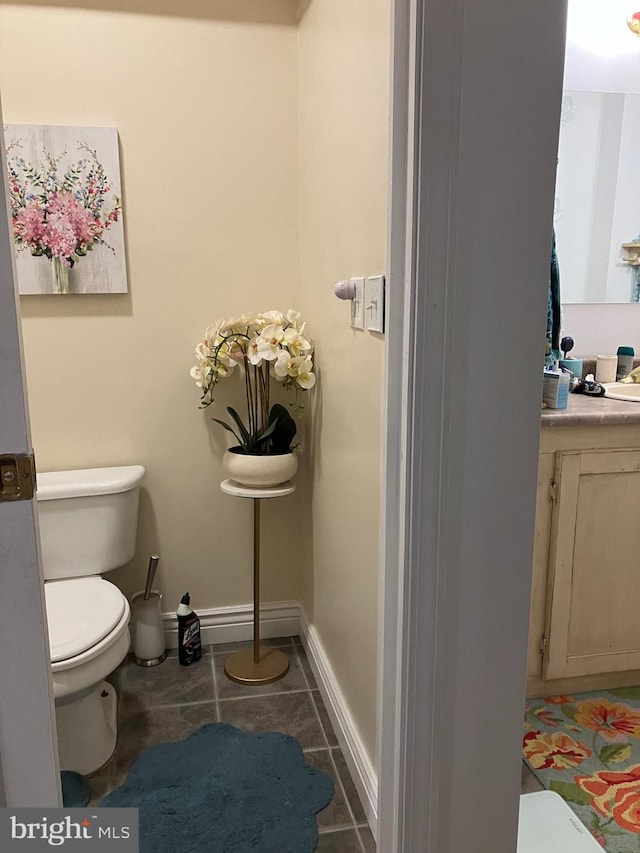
(230, 487)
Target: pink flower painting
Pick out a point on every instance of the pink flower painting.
(64, 191)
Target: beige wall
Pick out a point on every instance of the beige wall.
(344, 74)
(205, 103)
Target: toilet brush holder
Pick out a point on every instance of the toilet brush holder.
(147, 629)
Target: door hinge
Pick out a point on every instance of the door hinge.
(17, 477)
(553, 491)
(543, 645)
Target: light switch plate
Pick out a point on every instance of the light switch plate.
(357, 304)
(374, 303)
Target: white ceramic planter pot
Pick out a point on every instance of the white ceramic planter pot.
(261, 471)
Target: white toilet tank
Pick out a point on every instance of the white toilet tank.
(88, 519)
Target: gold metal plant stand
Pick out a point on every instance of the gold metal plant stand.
(256, 664)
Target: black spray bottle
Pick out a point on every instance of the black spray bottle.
(189, 644)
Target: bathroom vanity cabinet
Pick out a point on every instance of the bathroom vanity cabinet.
(585, 604)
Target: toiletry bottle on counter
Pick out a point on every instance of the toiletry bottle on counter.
(555, 388)
(625, 362)
(189, 643)
(606, 368)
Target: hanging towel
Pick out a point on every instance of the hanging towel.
(553, 308)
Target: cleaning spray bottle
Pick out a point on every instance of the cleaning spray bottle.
(189, 643)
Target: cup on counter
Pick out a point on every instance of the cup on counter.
(606, 368)
(572, 364)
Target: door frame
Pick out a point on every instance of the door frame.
(29, 774)
(472, 188)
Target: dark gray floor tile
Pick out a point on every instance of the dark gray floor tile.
(339, 842)
(290, 713)
(529, 783)
(306, 668)
(222, 648)
(225, 648)
(167, 684)
(227, 689)
(336, 814)
(285, 706)
(368, 841)
(274, 642)
(349, 786)
(332, 740)
(141, 728)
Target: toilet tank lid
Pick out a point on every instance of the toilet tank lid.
(53, 485)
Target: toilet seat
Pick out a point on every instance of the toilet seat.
(82, 614)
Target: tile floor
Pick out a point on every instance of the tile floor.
(168, 702)
(529, 783)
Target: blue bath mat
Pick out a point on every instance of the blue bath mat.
(223, 790)
(76, 792)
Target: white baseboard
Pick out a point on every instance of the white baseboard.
(360, 766)
(231, 624)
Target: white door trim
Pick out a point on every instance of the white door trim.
(463, 411)
(28, 756)
(395, 430)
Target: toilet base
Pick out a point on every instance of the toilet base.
(87, 729)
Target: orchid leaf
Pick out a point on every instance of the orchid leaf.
(285, 429)
(227, 427)
(244, 432)
(260, 439)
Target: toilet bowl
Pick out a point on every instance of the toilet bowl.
(88, 638)
(88, 522)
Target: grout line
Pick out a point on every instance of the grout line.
(337, 775)
(215, 685)
(324, 734)
(215, 680)
(179, 704)
(304, 673)
(297, 690)
(341, 827)
(359, 834)
(346, 799)
(212, 647)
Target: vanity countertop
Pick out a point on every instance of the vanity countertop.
(592, 411)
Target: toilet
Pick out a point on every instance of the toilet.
(88, 524)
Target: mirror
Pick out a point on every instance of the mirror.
(597, 205)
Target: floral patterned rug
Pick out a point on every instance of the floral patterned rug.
(587, 749)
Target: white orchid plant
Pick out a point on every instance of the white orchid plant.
(265, 348)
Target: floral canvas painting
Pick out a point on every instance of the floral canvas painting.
(66, 209)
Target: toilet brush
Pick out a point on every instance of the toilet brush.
(151, 573)
(148, 630)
